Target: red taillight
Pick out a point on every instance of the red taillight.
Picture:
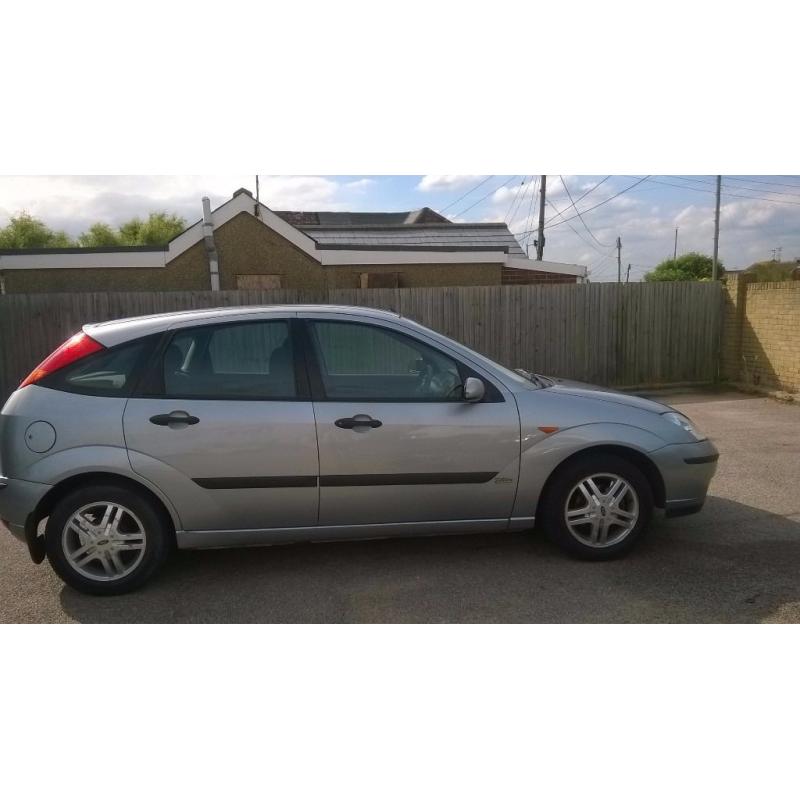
(78, 346)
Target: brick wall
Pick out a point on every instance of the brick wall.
(517, 277)
(761, 333)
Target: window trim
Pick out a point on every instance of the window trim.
(152, 385)
(317, 385)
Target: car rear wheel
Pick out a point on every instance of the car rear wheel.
(597, 507)
(106, 539)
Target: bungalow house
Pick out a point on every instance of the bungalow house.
(245, 245)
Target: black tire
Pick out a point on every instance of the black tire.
(558, 491)
(158, 539)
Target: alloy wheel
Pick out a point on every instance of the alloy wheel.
(104, 541)
(601, 510)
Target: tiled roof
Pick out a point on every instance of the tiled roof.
(349, 218)
(443, 237)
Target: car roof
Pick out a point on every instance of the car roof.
(117, 331)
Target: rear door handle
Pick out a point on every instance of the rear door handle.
(358, 421)
(174, 418)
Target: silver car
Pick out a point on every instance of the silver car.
(252, 426)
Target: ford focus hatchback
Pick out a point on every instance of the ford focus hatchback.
(252, 426)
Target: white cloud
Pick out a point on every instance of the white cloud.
(748, 214)
(360, 185)
(441, 183)
(72, 203)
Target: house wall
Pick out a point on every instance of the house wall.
(248, 247)
(188, 271)
(761, 333)
(526, 277)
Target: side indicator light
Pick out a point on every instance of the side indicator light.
(548, 428)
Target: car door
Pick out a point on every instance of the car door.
(397, 442)
(225, 427)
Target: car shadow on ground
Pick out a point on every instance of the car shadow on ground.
(730, 563)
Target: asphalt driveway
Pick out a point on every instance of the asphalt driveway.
(736, 561)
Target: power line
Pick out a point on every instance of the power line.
(478, 202)
(585, 194)
(516, 197)
(529, 215)
(766, 183)
(738, 188)
(575, 231)
(602, 203)
(477, 186)
(564, 184)
(727, 194)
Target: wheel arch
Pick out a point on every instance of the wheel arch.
(61, 489)
(640, 460)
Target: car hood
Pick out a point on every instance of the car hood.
(577, 389)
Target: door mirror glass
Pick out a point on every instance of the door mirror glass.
(474, 390)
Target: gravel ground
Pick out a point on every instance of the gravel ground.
(736, 561)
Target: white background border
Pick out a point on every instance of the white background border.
(406, 712)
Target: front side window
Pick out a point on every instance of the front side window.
(358, 361)
(243, 360)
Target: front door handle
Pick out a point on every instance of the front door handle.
(358, 421)
(174, 418)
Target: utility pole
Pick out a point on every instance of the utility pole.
(628, 275)
(619, 259)
(714, 264)
(540, 237)
(675, 251)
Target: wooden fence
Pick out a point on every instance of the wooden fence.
(625, 335)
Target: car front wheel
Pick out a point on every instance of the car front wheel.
(598, 506)
(106, 539)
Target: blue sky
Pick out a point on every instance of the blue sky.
(759, 213)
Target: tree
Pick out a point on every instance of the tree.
(100, 235)
(688, 267)
(158, 228)
(765, 271)
(25, 231)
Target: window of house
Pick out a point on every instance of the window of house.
(380, 280)
(252, 359)
(369, 362)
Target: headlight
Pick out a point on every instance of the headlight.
(684, 422)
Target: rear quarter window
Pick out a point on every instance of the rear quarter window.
(109, 373)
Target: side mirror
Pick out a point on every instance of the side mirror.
(474, 390)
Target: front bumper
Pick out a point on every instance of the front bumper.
(17, 500)
(687, 470)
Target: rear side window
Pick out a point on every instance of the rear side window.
(244, 360)
(109, 373)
